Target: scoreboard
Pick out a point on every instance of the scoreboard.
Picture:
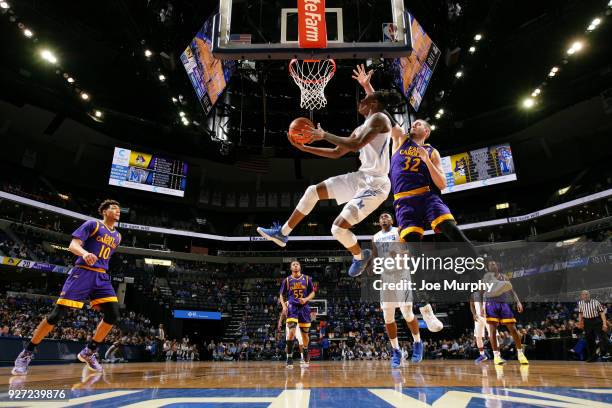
(148, 172)
(413, 72)
(478, 168)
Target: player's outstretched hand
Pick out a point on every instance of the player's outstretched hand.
(318, 133)
(361, 76)
(519, 307)
(90, 258)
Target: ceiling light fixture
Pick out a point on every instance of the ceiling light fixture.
(48, 56)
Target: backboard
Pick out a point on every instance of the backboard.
(268, 29)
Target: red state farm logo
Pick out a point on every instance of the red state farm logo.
(311, 24)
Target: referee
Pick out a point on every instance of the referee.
(592, 319)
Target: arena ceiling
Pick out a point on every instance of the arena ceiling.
(102, 45)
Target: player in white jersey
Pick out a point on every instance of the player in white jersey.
(386, 243)
(363, 191)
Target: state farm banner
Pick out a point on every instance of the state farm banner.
(312, 30)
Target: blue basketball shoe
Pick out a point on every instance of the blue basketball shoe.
(274, 234)
(396, 358)
(417, 352)
(358, 266)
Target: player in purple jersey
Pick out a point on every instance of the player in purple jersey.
(498, 311)
(295, 293)
(417, 178)
(93, 242)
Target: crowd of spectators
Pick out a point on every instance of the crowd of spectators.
(19, 316)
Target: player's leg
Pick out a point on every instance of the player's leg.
(497, 359)
(305, 342)
(363, 203)
(388, 309)
(494, 313)
(42, 330)
(311, 196)
(517, 342)
(479, 333)
(413, 325)
(291, 328)
(300, 340)
(75, 290)
(278, 233)
(103, 297)
(110, 311)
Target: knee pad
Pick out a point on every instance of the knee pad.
(308, 200)
(344, 236)
(111, 312)
(57, 314)
(389, 315)
(407, 312)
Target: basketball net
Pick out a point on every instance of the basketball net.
(311, 76)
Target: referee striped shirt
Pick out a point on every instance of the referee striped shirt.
(590, 309)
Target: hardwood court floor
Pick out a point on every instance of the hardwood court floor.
(358, 383)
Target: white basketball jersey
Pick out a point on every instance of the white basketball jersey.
(382, 237)
(374, 156)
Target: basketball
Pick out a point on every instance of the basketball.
(298, 130)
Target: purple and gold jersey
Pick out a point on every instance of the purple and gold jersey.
(296, 288)
(99, 240)
(409, 175)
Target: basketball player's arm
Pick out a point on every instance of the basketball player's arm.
(330, 153)
(360, 75)
(434, 165)
(76, 247)
(377, 125)
(519, 305)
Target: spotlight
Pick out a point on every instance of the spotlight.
(148, 53)
(438, 116)
(70, 80)
(28, 33)
(174, 99)
(536, 92)
(85, 96)
(596, 21)
(553, 71)
(98, 114)
(48, 56)
(185, 122)
(4, 5)
(478, 37)
(441, 111)
(433, 127)
(528, 103)
(472, 49)
(458, 74)
(182, 114)
(162, 77)
(610, 3)
(576, 46)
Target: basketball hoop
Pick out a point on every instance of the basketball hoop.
(311, 76)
